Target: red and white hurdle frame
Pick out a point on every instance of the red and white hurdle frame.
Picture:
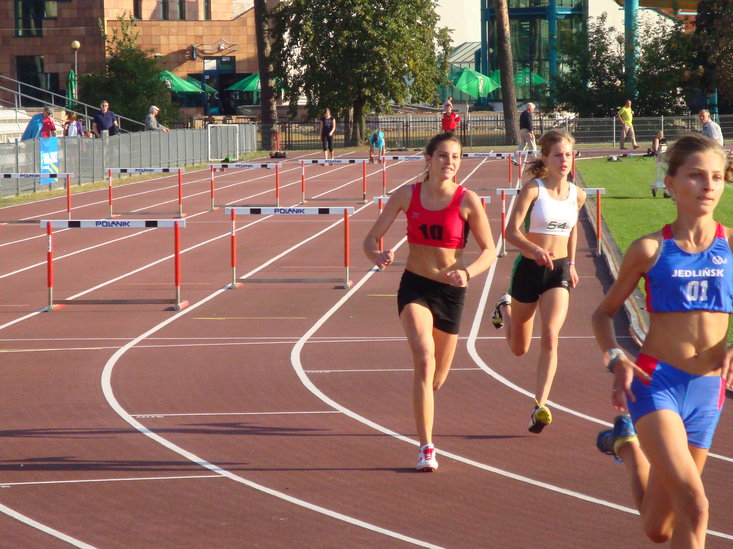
(509, 157)
(140, 171)
(598, 191)
(328, 162)
(248, 166)
(38, 175)
(175, 224)
(233, 211)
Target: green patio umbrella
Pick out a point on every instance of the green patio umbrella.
(525, 77)
(522, 78)
(473, 83)
(250, 83)
(196, 82)
(71, 90)
(178, 84)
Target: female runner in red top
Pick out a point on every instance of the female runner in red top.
(431, 294)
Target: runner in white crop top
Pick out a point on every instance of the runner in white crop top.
(551, 216)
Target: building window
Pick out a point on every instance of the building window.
(207, 10)
(29, 70)
(137, 10)
(29, 15)
(181, 9)
(164, 12)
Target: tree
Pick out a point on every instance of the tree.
(268, 109)
(592, 80)
(129, 80)
(506, 69)
(358, 55)
(714, 35)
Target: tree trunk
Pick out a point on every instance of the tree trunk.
(506, 66)
(268, 106)
(358, 125)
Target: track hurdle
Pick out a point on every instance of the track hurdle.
(329, 162)
(38, 175)
(139, 171)
(233, 211)
(598, 191)
(176, 224)
(240, 165)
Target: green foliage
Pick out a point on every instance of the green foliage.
(129, 80)
(358, 54)
(714, 35)
(592, 81)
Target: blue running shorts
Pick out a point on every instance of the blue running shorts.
(697, 399)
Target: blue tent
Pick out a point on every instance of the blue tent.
(33, 129)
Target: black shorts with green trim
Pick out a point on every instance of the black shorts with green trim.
(530, 280)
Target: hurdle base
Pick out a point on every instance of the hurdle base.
(234, 286)
(179, 306)
(54, 307)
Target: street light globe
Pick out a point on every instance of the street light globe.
(75, 45)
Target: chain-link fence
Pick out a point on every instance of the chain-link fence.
(88, 158)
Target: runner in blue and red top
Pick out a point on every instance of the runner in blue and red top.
(674, 391)
(433, 286)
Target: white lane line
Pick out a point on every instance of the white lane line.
(43, 528)
(106, 382)
(93, 480)
(300, 371)
(206, 414)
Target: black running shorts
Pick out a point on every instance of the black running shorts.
(530, 280)
(444, 301)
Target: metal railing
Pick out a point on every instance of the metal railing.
(90, 158)
(56, 101)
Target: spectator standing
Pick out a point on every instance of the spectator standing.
(105, 119)
(48, 126)
(448, 103)
(526, 132)
(151, 120)
(72, 126)
(710, 128)
(450, 119)
(327, 129)
(626, 117)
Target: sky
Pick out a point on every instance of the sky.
(464, 16)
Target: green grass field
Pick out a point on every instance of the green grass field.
(628, 207)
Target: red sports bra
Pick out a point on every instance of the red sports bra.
(439, 228)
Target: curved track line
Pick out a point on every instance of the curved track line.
(43, 528)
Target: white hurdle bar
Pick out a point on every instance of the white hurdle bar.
(514, 191)
(176, 224)
(233, 211)
(141, 171)
(39, 175)
(327, 162)
(380, 201)
(248, 166)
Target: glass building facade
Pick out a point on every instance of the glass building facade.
(538, 30)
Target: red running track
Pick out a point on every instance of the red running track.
(279, 415)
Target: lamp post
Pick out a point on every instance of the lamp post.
(75, 45)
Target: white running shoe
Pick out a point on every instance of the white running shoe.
(426, 462)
